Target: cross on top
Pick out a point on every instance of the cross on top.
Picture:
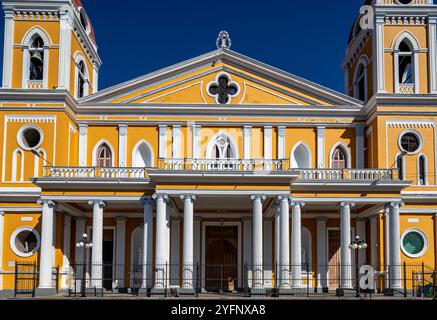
(223, 89)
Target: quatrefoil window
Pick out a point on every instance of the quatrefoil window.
(223, 89)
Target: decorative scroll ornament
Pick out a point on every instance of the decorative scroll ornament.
(223, 40)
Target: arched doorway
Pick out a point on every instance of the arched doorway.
(221, 260)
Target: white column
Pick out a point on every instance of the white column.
(247, 249)
(361, 232)
(161, 250)
(196, 141)
(321, 147)
(66, 251)
(64, 49)
(97, 240)
(359, 145)
(247, 142)
(387, 244)
(374, 241)
(257, 241)
(322, 256)
(80, 230)
(2, 223)
(277, 241)
(267, 252)
(46, 256)
(188, 246)
(268, 143)
(284, 261)
(120, 251)
(176, 141)
(395, 247)
(281, 142)
(8, 49)
(147, 243)
(83, 137)
(162, 141)
(296, 243)
(345, 240)
(122, 145)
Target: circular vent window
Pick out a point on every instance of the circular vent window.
(25, 241)
(414, 243)
(410, 142)
(30, 137)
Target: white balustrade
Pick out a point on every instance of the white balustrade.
(95, 172)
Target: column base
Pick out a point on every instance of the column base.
(45, 292)
(158, 292)
(187, 291)
(258, 291)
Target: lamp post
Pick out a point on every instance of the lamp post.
(357, 245)
(86, 244)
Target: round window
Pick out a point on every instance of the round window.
(410, 142)
(405, 1)
(30, 137)
(414, 243)
(25, 241)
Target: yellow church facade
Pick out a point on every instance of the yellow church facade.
(219, 173)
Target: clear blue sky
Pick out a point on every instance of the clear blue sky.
(307, 38)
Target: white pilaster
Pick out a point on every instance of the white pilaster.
(268, 142)
(8, 49)
(345, 241)
(196, 141)
(64, 49)
(281, 142)
(95, 79)
(80, 230)
(247, 142)
(361, 232)
(322, 256)
(432, 35)
(176, 141)
(46, 256)
(379, 69)
(97, 240)
(120, 253)
(284, 258)
(188, 245)
(321, 147)
(122, 145)
(395, 275)
(147, 243)
(2, 223)
(257, 241)
(296, 244)
(161, 251)
(83, 137)
(66, 251)
(162, 141)
(374, 241)
(247, 249)
(359, 138)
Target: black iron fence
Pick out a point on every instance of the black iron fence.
(406, 280)
(26, 277)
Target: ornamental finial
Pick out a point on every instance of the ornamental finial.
(223, 40)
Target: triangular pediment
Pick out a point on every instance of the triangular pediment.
(249, 83)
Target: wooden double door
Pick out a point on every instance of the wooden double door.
(221, 260)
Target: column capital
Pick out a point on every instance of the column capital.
(394, 204)
(122, 128)
(2, 213)
(100, 203)
(346, 204)
(191, 197)
(297, 204)
(284, 197)
(256, 197)
(147, 201)
(47, 202)
(162, 196)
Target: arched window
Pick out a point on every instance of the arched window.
(301, 157)
(406, 59)
(142, 156)
(422, 171)
(339, 159)
(222, 148)
(104, 156)
(360, 85)
(405, 63)
(81, 79)
(36, 59)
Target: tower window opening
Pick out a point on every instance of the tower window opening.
(36, 51)
(81, 80)
(405, 64)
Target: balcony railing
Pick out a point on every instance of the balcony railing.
(35, 84)
(348, 174)
(95, 172)
(407, 88)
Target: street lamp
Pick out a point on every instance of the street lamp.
(87, 244)
(357, 245)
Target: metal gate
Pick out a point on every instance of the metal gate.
(26, 279)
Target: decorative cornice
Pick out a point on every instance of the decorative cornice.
(37, 15)
(410, 124)
(30, 119)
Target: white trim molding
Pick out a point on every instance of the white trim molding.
(83, 141)
(8, 51)
(122, 145)
(268, 142)
(247, 142)
(281, 142)
(321, 147)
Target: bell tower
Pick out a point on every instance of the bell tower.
(392, 49)
(49, 45)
